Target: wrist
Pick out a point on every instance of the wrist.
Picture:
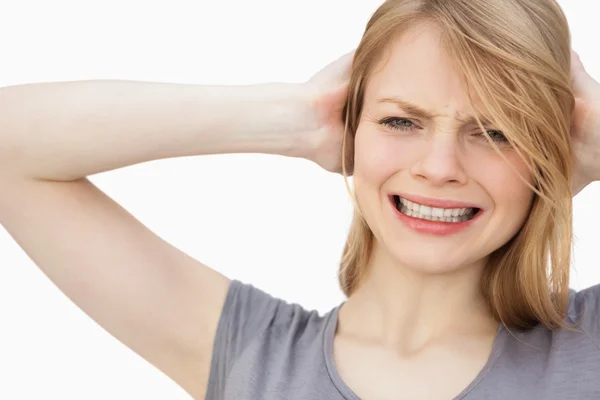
(279, 117)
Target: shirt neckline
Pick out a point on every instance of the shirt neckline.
(348, 394)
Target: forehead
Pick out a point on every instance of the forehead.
(417, 68)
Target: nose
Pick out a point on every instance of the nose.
(439, 161)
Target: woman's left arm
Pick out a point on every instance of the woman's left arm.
(585, 128)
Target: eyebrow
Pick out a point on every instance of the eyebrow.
(421, 113)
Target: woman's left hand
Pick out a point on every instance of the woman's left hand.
(585, 127)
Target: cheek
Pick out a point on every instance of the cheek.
(375, 161)
(504, 185)
(377, 156)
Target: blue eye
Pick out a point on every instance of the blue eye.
(496, 136)
(399, 124)
(403, 124)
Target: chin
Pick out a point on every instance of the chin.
(429, 266)
(438, 261)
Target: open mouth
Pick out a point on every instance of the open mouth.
(450, 215)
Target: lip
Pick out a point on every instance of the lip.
(435, 228)
(437, 203)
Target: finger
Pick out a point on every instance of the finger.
(336, 71)
(576, 64)
(345, 64)
(579, 76)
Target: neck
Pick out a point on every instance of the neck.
(404, 307)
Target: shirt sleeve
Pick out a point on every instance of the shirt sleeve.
(584, 310)
(247, 313)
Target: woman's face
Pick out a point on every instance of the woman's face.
(432, 189)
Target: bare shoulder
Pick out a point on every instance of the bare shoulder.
(151, 296)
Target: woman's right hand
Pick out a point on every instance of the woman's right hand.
(329, 90)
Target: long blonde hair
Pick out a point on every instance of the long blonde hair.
(514, 56)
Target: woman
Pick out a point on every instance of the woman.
(458, 135)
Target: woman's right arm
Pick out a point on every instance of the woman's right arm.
(152, 297)
(69, 130)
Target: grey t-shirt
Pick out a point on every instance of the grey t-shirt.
(267, 349)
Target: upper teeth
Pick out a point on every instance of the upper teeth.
(434, 211)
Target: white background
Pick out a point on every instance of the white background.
(275, 222)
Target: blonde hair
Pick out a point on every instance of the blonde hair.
(514, 57)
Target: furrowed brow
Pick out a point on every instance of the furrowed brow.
(408, 107)
(472, 121)
(419, 112)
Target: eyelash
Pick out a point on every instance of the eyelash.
(389, 123)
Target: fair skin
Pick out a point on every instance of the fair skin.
(420, 303)
(584, 127)
(52, 136)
